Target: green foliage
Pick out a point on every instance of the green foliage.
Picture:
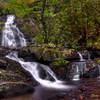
(52, 45)
(98, 61)
(39, 39)
(93, 42)
(72, 23)
(61, 62)
(94, 96)
(8, 66)
(1, 23)
(20, 9)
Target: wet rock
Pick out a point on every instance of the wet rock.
(4, 51)
(8, 89)
(92, 73)
(14, 80)
(13, 83)
(93, 69)
(96, 52)
(85, 69)
(75, 68)
(27, 55)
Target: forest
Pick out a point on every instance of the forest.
(68, 23)
(49, 49)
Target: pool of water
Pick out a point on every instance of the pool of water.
(86, 89)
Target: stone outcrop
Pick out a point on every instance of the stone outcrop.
(14, 80)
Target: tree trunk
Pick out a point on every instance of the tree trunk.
(43, 21)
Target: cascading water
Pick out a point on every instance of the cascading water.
(89, 56)
(81, 57)
(11, 35)
(80, 67)
(13, 38)
(76, 77)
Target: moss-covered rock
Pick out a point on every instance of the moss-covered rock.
(48, 53)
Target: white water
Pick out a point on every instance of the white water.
(89, 56)
(13, 38)
(11, 35)
(81, 57)
(77, 75)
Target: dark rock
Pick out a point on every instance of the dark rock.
(55, 54)
(96, 52)
(13, 84)
(9, 89)
(27, 55)
(14, 80)
(47, 53)
(72, 69)
(92, 73)
(86, 69)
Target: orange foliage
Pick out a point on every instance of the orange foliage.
(81, 97)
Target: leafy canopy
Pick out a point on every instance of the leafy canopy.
(20, 8)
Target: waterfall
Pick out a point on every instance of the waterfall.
(89, 56)
(76, 77)
(13, 38)
(11, 35)
(81, 57)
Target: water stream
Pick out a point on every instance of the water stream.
(79, 68)
(13, 38)
(81, 57)
(76, 77)
(89, 56)
(88, 89)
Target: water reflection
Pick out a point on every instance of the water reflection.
(85, 88)
(41, 93)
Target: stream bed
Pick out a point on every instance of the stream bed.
(86, 89)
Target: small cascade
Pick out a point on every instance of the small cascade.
(89, 56)
(76, 70)
(81, 57)
(13, 38)
(76, 77)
